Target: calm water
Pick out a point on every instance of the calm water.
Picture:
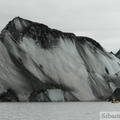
(55, 111)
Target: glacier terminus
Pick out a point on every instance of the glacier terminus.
(40, 64)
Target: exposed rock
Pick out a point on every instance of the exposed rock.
(115, 95)
(118, 54)
(9, 96)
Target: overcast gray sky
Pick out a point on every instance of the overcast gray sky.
(98, 19)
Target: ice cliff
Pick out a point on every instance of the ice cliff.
(38, 63)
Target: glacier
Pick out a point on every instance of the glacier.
(40, 64)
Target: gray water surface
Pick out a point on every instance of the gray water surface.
(55, 111)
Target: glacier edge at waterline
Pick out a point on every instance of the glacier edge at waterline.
(38, 63)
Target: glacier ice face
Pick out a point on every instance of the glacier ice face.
(11, 77)
(49, 65)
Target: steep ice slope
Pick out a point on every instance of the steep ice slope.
(10, 76)
(53, 63)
